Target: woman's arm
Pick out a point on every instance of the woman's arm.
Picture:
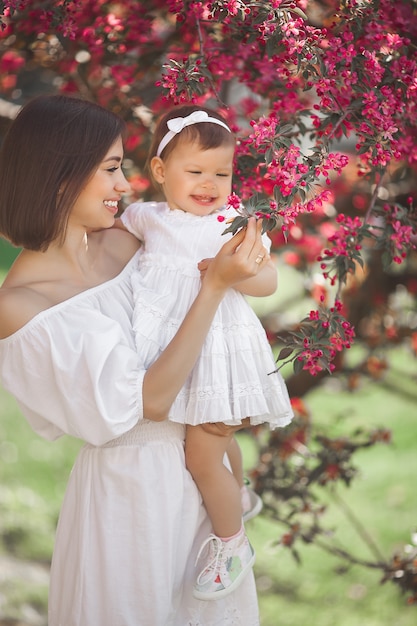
(234, 263)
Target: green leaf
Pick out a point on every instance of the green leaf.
(297, 366)
(268, 223)
(284, 354)
(386, 259)
(286, 128)
(238, 222)
(299, 12)
(360, 260)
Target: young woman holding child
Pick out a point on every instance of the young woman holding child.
(132, 519)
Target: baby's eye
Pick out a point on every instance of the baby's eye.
(223, 175)
(195, 172)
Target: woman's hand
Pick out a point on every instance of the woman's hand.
(238, 259)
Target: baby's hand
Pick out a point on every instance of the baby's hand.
(202, 266)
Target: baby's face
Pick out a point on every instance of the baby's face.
(198, 181)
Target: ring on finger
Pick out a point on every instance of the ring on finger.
(259, 259)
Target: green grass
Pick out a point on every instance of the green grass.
(33, 474)
(316, 595)
(383, 497)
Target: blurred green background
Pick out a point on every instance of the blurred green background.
(7, 255)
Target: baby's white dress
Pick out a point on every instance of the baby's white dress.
(232, 378)
(132, 519)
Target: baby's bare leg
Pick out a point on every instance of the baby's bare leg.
(219, 488)
(234, 454)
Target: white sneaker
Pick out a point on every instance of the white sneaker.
(228, 562)
(251, 503)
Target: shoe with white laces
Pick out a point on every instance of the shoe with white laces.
(228, 562)
(251, 503)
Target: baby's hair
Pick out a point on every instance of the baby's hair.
(206, 135)
(49, 153)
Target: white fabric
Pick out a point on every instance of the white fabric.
(232, 378)
(132, 519)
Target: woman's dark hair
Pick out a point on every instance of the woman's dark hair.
(208, 136)
(49, 153)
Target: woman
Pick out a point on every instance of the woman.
(132, 518)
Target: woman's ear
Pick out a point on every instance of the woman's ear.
(158, 169)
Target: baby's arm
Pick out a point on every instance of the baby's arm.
(263, 284)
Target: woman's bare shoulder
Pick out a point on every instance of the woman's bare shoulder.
(30, 287)
(20, 297)
(18, 305)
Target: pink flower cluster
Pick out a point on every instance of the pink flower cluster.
(345, 237)
(312, 359)
(234, 201)
(336, 261)
(321, 336)
(263, 134)
(288, 170)
(335, 162)
(290, 214)
(402, 237)
(329, 333)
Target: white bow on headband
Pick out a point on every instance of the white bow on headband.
(177, 124)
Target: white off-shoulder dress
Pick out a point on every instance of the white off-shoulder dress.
(232, 378)
(132, 519)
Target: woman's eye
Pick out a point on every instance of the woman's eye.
(113, 169)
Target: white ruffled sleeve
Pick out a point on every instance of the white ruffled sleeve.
(132, 219)
(76, 373)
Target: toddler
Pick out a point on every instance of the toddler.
(191, 159)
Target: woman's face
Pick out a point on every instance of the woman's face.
(97, 204)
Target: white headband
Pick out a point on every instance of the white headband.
(176, 125)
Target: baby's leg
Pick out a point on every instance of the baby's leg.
(219, 488)
(234, 454)
(250, 501)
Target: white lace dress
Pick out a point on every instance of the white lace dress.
(132, 519)
(232, 378)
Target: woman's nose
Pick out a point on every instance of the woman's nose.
(122, 184)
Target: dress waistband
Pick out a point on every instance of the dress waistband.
(147, 431)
